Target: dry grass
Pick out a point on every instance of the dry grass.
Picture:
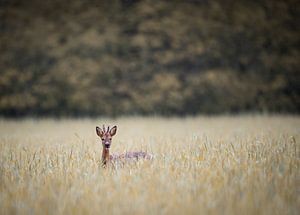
(202, 165)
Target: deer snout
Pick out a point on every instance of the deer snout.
(106, 144)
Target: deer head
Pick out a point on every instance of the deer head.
(106, 135)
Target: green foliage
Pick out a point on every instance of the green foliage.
(148, 57)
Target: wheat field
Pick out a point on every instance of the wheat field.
(202, 165)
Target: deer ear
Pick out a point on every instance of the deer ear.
(99, 131)
(113, 131)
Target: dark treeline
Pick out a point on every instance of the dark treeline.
(77, 58)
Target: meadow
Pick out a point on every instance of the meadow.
(245, 164)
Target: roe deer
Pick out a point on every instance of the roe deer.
(106, 137)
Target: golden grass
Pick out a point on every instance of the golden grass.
(202, 165)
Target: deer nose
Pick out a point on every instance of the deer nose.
(107, 144)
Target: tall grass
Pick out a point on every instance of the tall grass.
(202, 165)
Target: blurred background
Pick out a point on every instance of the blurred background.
(145, 57)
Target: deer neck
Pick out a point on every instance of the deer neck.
(105, 155)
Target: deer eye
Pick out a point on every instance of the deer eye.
(102, 138)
